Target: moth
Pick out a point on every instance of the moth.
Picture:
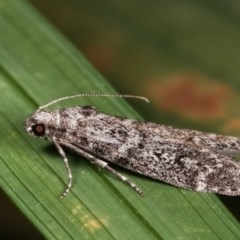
(189, 159)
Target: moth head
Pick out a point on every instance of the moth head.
(36, 123)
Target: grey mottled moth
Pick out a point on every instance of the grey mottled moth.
(190, 159)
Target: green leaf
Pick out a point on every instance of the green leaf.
(37, 65)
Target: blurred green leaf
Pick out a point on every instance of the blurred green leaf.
(37, 65)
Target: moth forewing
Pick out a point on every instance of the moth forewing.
(184, 158)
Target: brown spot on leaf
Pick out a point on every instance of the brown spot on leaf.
(232, 126)
(191, 96)
(94, 224)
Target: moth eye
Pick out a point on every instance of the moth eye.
(38, 129)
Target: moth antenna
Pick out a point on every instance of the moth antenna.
(93, 95)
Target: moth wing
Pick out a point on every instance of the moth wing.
(220, 144)
(185, 165)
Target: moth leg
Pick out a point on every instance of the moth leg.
(101, 164)
(68, 169)
(105, 165)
